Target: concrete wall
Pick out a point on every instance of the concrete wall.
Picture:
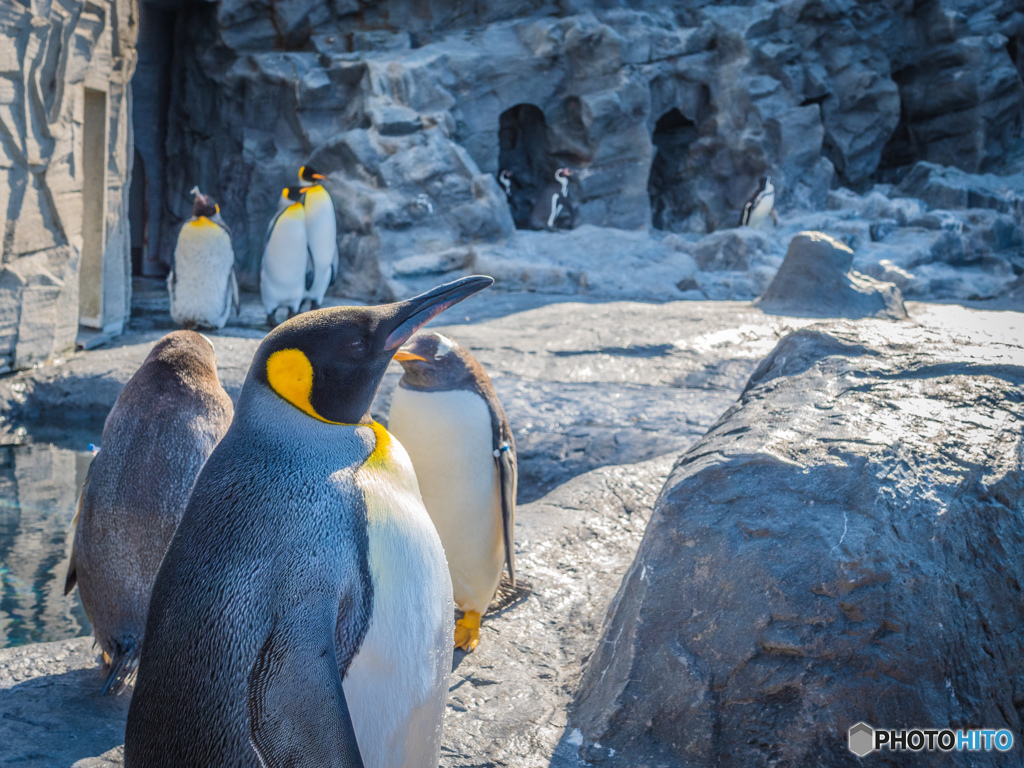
(65, 161)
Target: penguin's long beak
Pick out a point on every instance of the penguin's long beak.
(319, 176)
(401, 356)
(416, 312)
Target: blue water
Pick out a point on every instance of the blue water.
(39, 485)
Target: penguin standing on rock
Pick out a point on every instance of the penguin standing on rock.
(203, 285)
(447, 415)
(303, 613)
(554, 203)
(287, 270)
(156, 438)
(322, 233)
(760, 206)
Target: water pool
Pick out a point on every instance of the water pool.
(39, 485)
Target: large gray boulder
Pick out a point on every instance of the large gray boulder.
(843, 545)
(816, 280)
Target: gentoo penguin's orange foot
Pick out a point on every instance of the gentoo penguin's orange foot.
(467, 631)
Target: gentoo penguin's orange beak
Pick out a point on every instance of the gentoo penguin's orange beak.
(402, 356)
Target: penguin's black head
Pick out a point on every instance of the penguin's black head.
(308, 174)
(329, 363)
(293, 193)
(203, 205)
(433, 361)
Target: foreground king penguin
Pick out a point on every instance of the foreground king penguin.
(321, 232)
(447, 415)
(202, 284)
(303, 613)
(164, 425)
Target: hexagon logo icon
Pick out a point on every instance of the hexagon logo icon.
(861, 739)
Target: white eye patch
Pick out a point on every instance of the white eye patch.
(444, 346)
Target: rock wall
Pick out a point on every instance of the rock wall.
(65, 138)
(843, 545)
(403, 104)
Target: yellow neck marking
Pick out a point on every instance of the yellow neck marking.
(202, 221)
(290, 375)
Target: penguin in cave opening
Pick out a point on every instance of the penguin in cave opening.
(553, 208)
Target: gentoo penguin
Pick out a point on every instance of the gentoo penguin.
(156, 438)
(760, 205)
(447, 415)
(303, 612)
(202, 283)
(287, 270)
(322, 233)
(553, 203)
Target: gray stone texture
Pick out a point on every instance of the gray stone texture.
(50, 53)
(843, 545)
(398, 100)
(816, 280)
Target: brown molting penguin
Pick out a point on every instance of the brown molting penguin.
(165, 423)
(447, 415)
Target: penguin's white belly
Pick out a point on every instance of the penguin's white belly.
(203, 259)
(448, 436)
(397, 684)
(761, 210)
(283, 271)
(322, 231)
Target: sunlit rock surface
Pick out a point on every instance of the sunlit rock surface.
(844, 545)
(603, 396)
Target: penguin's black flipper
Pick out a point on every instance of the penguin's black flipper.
(508, 479)
(297, 710)
(310, 269)
(71, 579)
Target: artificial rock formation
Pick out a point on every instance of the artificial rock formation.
(816, 280)
(64, 166)
(669, 114)
(844, 545)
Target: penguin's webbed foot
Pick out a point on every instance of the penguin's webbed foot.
(467, 631)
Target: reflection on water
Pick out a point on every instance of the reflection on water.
(39, 486)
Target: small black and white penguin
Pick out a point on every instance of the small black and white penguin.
(505, 180)
(760, 206)
(554, 204)
(287, 270)
(321, 232)
(163, 426)
(447, 415)
(202, 284)
(303, 613)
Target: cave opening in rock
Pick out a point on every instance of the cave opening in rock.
(151, 94)
(672, 200)
(524, 150)
(901, 150)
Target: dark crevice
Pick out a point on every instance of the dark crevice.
(524, 149)
(672, 201)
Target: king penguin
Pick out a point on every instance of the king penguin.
(303, 613)
(322, 233)
(202, 283)
(554, 203)
(287, 270)
(163, 426)
(448, 416)
(761, 205)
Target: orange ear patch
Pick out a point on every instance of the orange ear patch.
(290, 374)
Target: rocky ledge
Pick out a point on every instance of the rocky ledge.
(603, 396)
